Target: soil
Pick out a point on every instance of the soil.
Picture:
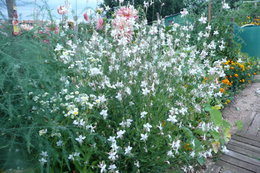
(242, 106)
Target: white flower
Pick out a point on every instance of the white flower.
(102, 99)
(59, 143)
(119, 96)
(203, 19)
(104, 113)
(143, 114)
(126, 123)
(120, 133)
(215, 33)
(137, 164)
(170, 153)
(112, 139)
(114, 146)
(102, 167)
(112, 167)
(224, 149)
(44, 154)
(80, 139)
(128, 150)
(91, 128)
(144, 137)
(239, 60)
(221, 47)
(176, 145)
(192, 154)
(43, 161)
(145, 91)
(42, 132)
(112, 155)
(184, 12)
(172, 118)
(147, 127)
(94, 71)
(225, 6)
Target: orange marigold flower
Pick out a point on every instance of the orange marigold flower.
(226, 81)
(236, 75)
(222, 90)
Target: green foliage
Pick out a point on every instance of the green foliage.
(26, 67)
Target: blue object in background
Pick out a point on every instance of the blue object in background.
(249, 38)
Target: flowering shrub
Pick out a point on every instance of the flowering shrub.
(237, 73)
(135, 98)
(118, 95)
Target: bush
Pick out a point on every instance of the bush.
(116, 95)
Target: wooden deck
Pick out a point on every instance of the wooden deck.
(244, 150)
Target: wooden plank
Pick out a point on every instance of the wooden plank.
(248, 122)
(255, 126)
(249, 136)
(243, 145)
(244, 151)
(244, 158)
(233, 168)
(213, 169)
(240, 163)
(246, 140)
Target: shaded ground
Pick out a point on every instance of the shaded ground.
(245, 104)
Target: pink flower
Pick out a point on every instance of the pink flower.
(86, 17)
(100, 23)
(62, 10)
(127, 12)
(57, 30)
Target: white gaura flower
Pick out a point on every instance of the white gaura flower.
(102, 165)
(172, 118)
(104, 113)
(43, 161)
(144, 137)
(225, 6)
(203, 20)
(145, 91)
(143, 114)
(94, 71)
(170, 153)
(224, 149)
(147, 127)
(112, 155)
(59, 143)
(120, 134)
(119, 96)
(112, 167)
(44, 154)
(42, 132)
(176, 145)
(80, 139)
(128, 150)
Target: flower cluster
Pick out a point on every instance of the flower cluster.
(134, 106)
(123, 24)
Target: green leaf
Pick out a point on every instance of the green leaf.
(201, 160)
(239, 124)
(207, 107)
(216, 117)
